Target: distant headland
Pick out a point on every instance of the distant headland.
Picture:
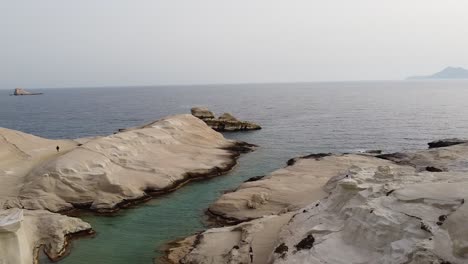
(20, 91)
(447, 73)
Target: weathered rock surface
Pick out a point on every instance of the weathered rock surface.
(231, 244)
(290, 188)
(38, 228)
(365, 210)
(202, 113)
(226, 122)
(107, 172)
(19, 91)
(383, 216)
(19, 154)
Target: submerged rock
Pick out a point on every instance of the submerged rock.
(446, 142)
(226, 122)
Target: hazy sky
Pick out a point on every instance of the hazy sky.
(56, 43)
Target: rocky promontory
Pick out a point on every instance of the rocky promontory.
(45, 177)
(27, 231)
(225, 122)
(344, 208)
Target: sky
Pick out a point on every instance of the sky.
(89, 43)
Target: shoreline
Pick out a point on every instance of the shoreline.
(67, 247)
(163, 155)
(238, 149)
(404, 173)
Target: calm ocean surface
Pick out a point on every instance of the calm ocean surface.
(297, 119)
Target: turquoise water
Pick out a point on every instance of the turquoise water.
(297, 119)
(138, 234)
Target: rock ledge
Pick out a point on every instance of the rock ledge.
(225, 122)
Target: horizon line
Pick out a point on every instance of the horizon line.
(224, 84)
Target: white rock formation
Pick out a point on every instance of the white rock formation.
(37, 228)
(397, 218)
(290, 188)
(101, 173)
(19, 154)
(370, 210)
(105, 172)
(231, 244)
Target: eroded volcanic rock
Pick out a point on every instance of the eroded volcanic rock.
(348, 208)
(225, 122)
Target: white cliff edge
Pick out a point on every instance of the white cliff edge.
(22, 236)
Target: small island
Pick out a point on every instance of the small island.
(446, 74)
(20, 91)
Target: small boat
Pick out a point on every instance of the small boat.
(12, 222)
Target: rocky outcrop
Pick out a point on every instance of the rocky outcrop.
(202, 113)
(446, 142)
(232, 244)
(290, 188)
(159, 157)
(19, 91)
(225, 122)
(366, 209)
(101, 174)
(37, 229)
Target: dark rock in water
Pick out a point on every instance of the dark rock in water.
(433, 169)
(373, 151)
(227, 125)
(256, 178)
(316, 156)
(446, 142)
(226, 122)
(19, 91)
(306, 243)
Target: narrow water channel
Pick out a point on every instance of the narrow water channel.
(138, 234)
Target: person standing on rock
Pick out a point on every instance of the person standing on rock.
(57, 148)
(251, 254)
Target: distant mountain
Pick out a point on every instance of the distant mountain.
(447, 73)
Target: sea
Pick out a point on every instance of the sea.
(297, 119)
